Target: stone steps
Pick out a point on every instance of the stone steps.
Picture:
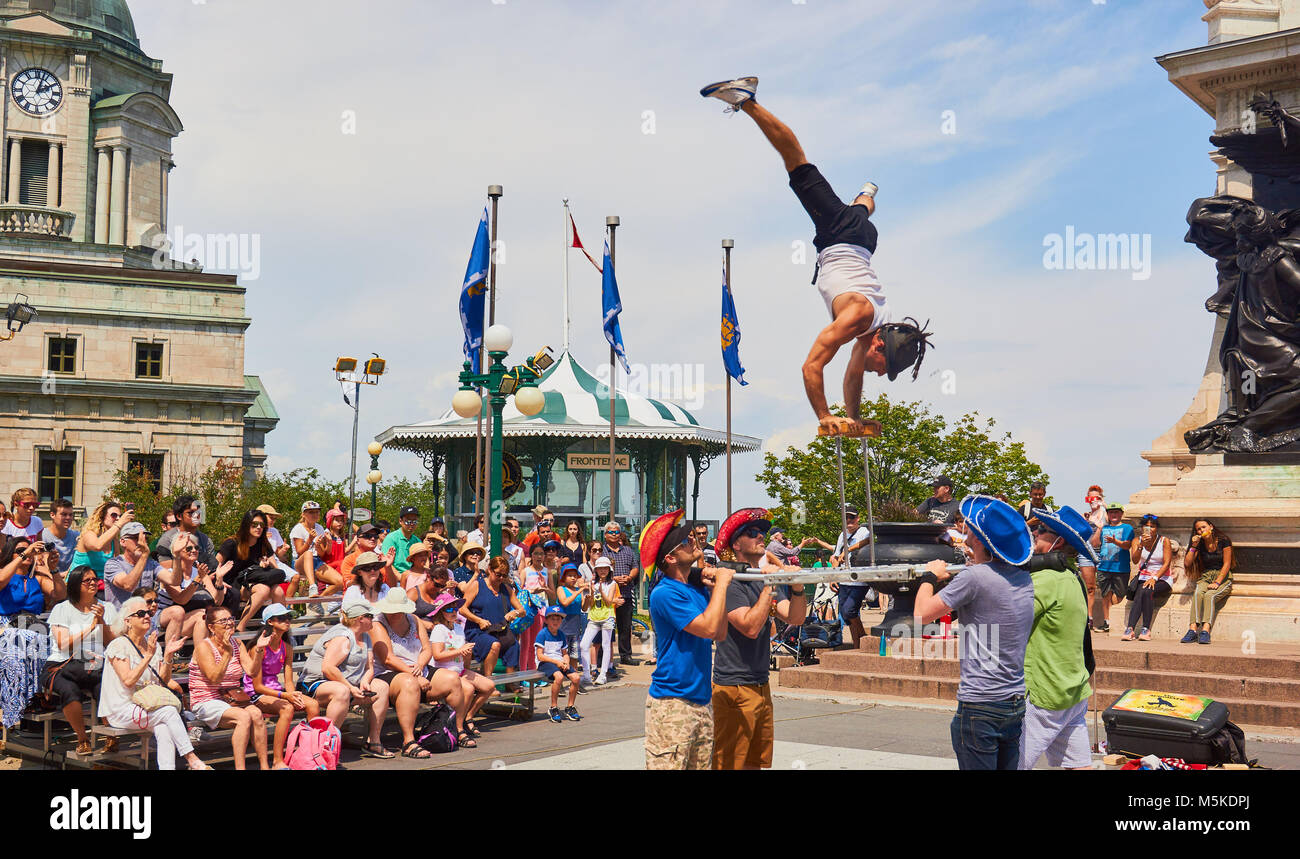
(1259, 690)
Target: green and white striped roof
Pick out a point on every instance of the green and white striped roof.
(577, 406)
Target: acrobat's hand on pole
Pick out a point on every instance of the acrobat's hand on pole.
(847, 427)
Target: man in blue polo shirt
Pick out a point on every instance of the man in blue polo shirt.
(687, 619)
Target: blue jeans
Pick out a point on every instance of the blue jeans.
(986, 735)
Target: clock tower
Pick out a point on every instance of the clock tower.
(134, 361)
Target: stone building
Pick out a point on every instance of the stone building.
(134, 360)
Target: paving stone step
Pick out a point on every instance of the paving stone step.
(1242, 711)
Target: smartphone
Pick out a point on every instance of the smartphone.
(130, 508)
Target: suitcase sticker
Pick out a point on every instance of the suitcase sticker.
(1189, 707)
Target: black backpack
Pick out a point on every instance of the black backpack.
(435, 730)
(1228, 746)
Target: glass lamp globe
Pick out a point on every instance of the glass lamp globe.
(375, 448)
(374, 477)
(530, 401)
(466, 403)
(498, 338)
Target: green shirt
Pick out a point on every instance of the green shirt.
(403, 545)
(1055, 676)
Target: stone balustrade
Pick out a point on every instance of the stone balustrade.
(38, 221)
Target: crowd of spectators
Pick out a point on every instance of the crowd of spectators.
(422, 618)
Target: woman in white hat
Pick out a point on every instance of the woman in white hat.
(368, 579)
(402, 657)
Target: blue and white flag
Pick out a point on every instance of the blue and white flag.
(474, 293)
(731, 334)
(613, 306)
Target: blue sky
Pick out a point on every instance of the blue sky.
(1062, 119)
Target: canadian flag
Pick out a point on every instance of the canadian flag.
(576, 242)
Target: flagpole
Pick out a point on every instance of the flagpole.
(485, 415)
(727, 245)
(567, 242)
(611, 224)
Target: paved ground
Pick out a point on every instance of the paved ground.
(812, 733)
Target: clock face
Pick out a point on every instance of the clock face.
(37, 91)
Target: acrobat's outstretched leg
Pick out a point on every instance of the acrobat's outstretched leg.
(777, 133)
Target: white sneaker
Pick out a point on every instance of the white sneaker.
(313, 590)
(734, 92)
(601, 680)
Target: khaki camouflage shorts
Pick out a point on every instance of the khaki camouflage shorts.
(678, 734)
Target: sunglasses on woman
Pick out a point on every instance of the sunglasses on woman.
(142, 613)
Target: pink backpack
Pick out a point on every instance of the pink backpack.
(313, 745)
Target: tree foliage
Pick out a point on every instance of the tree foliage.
(226, 498)
(916, 446)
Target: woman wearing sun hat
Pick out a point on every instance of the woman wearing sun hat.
(994, 596)
(402, 657)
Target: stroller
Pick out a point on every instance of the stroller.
(802, 642)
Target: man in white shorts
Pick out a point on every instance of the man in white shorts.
(845, 241)
(1056, 673)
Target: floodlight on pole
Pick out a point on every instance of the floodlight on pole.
(17, 315)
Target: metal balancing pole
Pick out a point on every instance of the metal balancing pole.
(844, 514)
(871, 519)
(727, 245)
(611, 224)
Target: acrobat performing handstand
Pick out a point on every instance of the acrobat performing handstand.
(845, 240)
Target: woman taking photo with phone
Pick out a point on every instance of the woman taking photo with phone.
(98, 540)
(269, 681)
(1209, 562)
(29, 582)
(135, 662)
(1152, 559)
(217, 696)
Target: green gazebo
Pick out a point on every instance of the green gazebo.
(561, 453)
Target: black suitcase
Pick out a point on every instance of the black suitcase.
(1164, 724)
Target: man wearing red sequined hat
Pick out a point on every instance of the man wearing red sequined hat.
(742, 695)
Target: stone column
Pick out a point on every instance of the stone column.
(101, 195)
(52, 178)
(117, 202)
(15, 168)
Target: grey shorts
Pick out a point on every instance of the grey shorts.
(1115, 583)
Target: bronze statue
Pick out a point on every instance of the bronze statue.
(1257, 248)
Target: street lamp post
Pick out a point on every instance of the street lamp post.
(500, 382)
(345, 371)
(374, 476)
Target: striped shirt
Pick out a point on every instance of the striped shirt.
(201, 690)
